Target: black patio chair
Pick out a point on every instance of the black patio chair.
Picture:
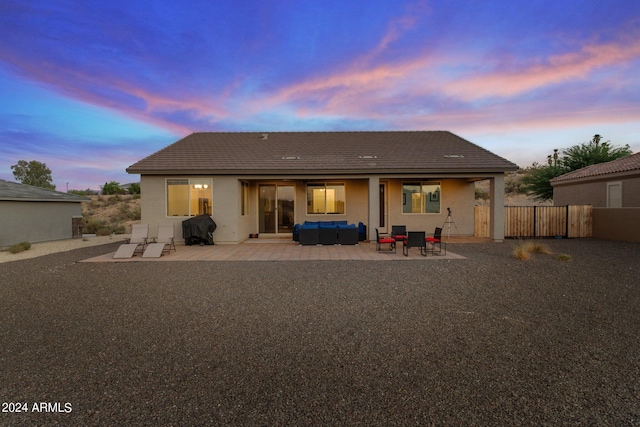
(399, 232)
(384, 240)
(437, 240)
(415, 239)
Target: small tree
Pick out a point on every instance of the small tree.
(536, 180)
(591, 153)
(112, 187)
(537, 177)
(134, 188)
(33, 173)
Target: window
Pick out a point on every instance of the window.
(421, 197)
(245, 198)
(325, 198)
(189, 197)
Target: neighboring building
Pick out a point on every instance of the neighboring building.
(267, 182)
(613, 189)
(34, 214)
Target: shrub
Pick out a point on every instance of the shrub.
(482, 194)
(112, 187)
(20, 247)
(134, 188)
(110, 229)
(126, 213)
(522, 251)
(101, 228)
(92, 226)
(540, 248)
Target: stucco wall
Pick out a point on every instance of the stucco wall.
(622, 224)
(631, 192)
(589, 193)
(595, 193)
(356, 195)
(224, 211)
(456, 194)
(36, 221)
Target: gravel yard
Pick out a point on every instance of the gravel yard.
(487, 340)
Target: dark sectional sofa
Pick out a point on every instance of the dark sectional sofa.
(329, 233)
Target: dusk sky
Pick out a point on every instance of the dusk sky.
(90, 87)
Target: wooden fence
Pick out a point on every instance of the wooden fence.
(538, 221)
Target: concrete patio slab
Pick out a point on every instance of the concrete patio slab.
(279, 250)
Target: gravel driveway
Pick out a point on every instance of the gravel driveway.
(488, 340)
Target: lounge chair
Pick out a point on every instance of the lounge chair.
(384, 240)
(164, 242)
(137, 241)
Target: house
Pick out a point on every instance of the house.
(267, 182)
(613, 189)
(34, 214)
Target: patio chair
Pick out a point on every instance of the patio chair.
(437, 240)
(384, 240)
(137, 241)
(415, 239)
(399, 232)
(164, 242)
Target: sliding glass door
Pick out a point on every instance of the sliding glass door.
(276, 208)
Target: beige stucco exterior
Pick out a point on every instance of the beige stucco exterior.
(614, 218)
(362, 204)
(36, 221)
(594, 191)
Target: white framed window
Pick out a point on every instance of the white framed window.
(421, 197)
(189, 196)
(326, 198)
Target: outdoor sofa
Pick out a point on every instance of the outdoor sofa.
(328, 233)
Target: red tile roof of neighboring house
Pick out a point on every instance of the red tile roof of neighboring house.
(321, 152)
(624, 164)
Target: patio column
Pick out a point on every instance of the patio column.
(374, 206)
(496, 192)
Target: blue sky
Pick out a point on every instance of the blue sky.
(90, 87)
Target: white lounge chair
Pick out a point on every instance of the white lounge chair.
(138, 240)
(164, 239)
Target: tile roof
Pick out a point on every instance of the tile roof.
(14, 191)
(321, 152)
(625, 164)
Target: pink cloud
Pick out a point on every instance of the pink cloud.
(363, 91)
(559, 68)
(74, 82)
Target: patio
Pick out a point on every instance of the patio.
(287, 250)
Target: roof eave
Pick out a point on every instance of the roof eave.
(31, 199)
(372, 171)
(600, 177)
